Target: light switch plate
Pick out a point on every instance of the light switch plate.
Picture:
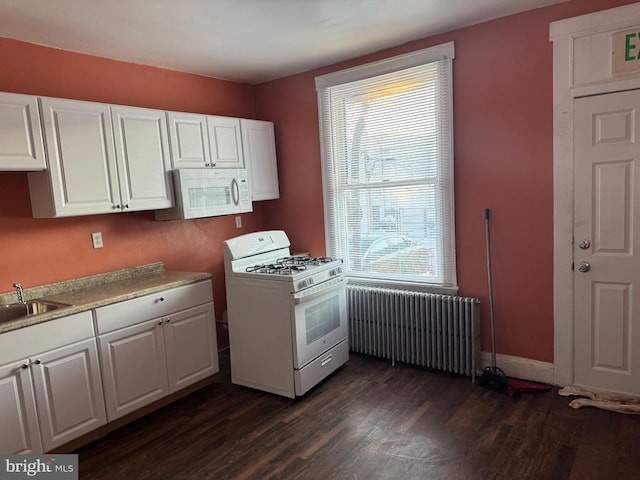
(96, 239)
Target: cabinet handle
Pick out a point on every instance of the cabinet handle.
(162, 299)
(37, 362)
(116, 207)
(160, 322)
(24, 366)
(168, 320)
(125, 206)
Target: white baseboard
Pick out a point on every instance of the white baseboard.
(518, 367)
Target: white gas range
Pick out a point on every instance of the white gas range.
(287, 314)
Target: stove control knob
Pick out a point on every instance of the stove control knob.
(302, 284)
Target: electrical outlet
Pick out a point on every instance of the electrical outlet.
(96, 239)
(238, 222)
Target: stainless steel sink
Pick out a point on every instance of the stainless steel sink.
(13, 311)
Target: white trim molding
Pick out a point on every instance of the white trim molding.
(581, 50)
(523, 368)
(388, 65)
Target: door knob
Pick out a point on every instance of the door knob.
(584, 244)
(584, 267)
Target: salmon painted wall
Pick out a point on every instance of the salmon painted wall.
(40, 251)
(503, 130)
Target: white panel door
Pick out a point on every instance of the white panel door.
(189, 140)
(192, 348)
(82, 162)
(259, 146)
(68, 391)
(134, 367)
(19, 432)
(607, 242)
(143, 159)
(225, 143)
(21, 146)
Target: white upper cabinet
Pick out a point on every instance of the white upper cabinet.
(143, 159)
(225, 142)
(199, 141)
(259, 146)
(89, 173)
(82, 178)
(21, 147)
(189, 140)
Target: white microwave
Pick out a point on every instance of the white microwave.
(208, 192)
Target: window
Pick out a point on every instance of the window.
(387, 155)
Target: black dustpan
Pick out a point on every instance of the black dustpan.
(493, 378)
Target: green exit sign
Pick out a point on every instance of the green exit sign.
(626, 52)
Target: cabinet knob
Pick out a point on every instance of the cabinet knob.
(37, 362)
(160, 322)
(125, 206)
(24, 366)
(116, 207)
(162, 299)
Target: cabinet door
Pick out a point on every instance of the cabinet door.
(68, 392)
(142, 153)
(134, 367)
(21, 147)
(225, 142)
(189, 140)
(82, 167)
(259, 145)
(192, 347)
(18, 421)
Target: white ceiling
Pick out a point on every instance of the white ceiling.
(242, 40)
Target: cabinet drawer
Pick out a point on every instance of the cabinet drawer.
(320, 368)
(25, 342)
(130, 312)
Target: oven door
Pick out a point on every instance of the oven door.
(319, 320)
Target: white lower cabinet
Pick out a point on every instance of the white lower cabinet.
(51, 392)
(19, 431)
(68, 393)
(58, 381)
(134, 367)
(192, 346)
(151, 358)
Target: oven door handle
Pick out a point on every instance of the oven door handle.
(339, 284)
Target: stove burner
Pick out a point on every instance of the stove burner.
(289, 265)
(305, 260)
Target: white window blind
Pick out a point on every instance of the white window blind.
(387, 150)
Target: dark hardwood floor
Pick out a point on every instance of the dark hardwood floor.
(369, 421)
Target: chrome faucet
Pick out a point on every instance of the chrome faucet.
(19, 292)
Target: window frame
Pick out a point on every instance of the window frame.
(393, 64)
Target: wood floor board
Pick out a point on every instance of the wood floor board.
(369, 421)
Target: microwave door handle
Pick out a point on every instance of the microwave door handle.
(235, 192)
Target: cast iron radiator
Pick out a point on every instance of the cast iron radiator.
(434, 331)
